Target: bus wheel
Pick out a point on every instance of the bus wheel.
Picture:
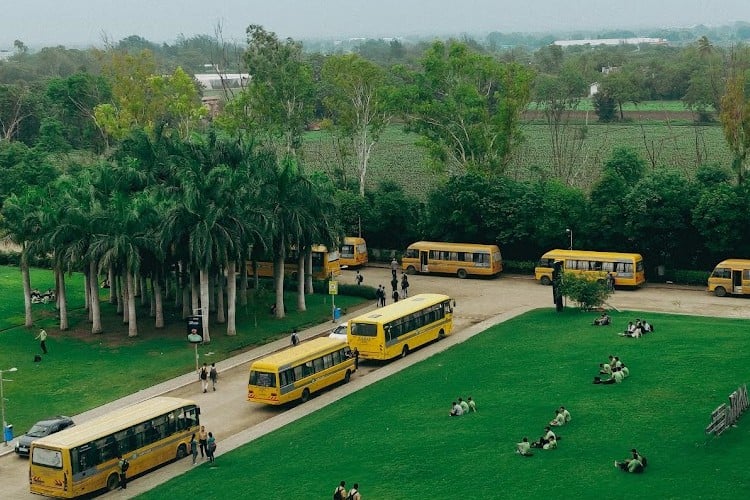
(544, 280)
(181, 451)
(113, 481)
(441, 335)
(411, 270)
(404, 351)
(720, 291)
(461, 273)
(347, 377)
(305, 395)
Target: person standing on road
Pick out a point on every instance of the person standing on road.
(294, 339)
(203, 440)
(394, 283)
(122, 468)
(203, 376)
(395, 296)
(211, 447)
(213, 375)
(394, 266)
(42, 337)
(404, 286)
(358, 278)
(194, 448)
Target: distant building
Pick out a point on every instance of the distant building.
(6, 54)
(213, 81)
(611, 41)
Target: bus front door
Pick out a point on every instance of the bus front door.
(423, 262)
(737, 282)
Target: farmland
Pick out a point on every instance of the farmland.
(661, 142)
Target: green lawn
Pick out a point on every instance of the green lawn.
(396, 439)
(69, 379)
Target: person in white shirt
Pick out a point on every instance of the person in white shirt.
(456, 410)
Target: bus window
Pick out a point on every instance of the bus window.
(722, 272)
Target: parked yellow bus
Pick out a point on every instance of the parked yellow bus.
(298, 372)
(461, 259)
(353, 252)
(627, 268)
(81, 460)
(731, 276)
(398, 328)
(325, 264)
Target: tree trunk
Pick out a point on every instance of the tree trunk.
(62, 302)
(205, 304)
(144, 289)
(302, 272)
(195, 293)
(127, 284)
(231, 297)
(87, 292)
(132, 325)
(158, 302)
(96, 314)
(26, 278)
(212, 292)
(112, 290)
(117, 285)
(243, 283)
(221, 317)
(309, 274)
(152, 301)
(278, 283)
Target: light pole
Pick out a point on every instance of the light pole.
(570, 235)
(2, 399)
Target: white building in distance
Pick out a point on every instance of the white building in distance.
(611, 41)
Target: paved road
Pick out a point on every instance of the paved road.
(480, 304)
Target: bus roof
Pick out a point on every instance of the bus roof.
(400, 308)
(353, 240)
(309, 349)
(743, 263)
(428, 245)
(112, 422)
(589, 253)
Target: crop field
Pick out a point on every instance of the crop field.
(661, 143)
(396, 439)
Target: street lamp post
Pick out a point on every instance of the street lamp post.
(570, 235)
(2, 399)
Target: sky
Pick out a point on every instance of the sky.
(81, 23)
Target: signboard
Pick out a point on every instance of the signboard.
(333, 287)
(195, 329)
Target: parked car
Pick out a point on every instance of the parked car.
(41, 429)
(339, 332)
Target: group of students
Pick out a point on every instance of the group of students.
(638, 329)
(462, 407)
(636, 463)
(615, 369)
(340, 492)
(548, 440)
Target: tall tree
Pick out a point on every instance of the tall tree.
(735, 120)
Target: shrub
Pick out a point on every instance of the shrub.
(519, 266)
(588, 291)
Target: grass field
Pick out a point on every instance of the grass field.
(666, 143)
(396, 439)
(69, 379)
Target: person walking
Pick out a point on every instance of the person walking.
(194, 448)
(394, 266)
(354, 493)
(340, 492)
(404, 286)
(203, 440)
(42, 337)
(213, 375)
(211, 447)
(394, 283)
(122, 467)
(395, 296)
(203, 376)
(294, 339)
(358, 278)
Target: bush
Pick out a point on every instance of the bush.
(588, 291)
(519, 266)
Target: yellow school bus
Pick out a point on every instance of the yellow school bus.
(325, 264)
(461, 259)
(298, 372)
(731, 276)
(82, 460)
(398, 328)
(627, 268)
(353, 252)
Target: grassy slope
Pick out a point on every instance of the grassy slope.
(396, 439)
(69, 379)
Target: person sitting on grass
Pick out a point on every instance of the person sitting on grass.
(472, 405)
(456, 410)
(636, 464)
(647, 327)
(605, 369)
(524, 448)
(551, 444)
(544, 439)
(625, 371)
(559, 419)
(464, 406)
(565, 414)
(602, 320)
